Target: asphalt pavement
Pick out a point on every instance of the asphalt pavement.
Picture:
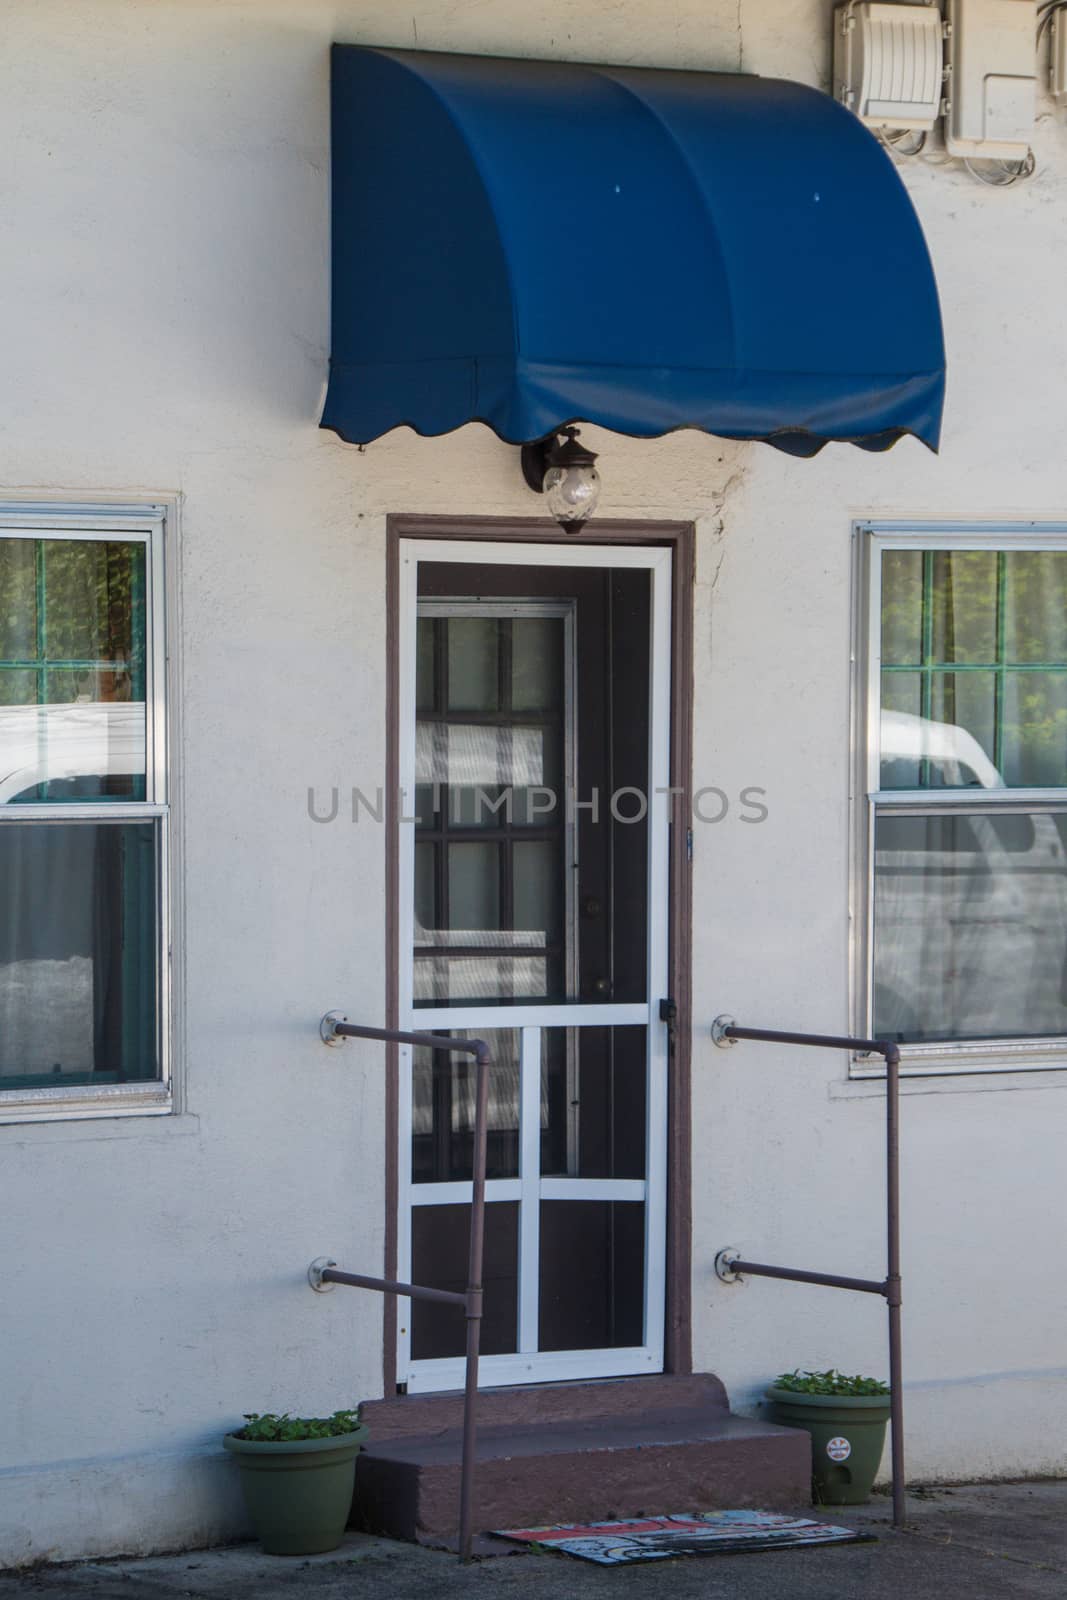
(984, 1542)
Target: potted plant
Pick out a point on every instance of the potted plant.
(298, 1474)
(846, 1418)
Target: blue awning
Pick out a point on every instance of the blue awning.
(532, 243)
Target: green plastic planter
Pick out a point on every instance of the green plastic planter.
(847, 1439)
(298, 1491)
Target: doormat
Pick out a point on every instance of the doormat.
(701, 1533)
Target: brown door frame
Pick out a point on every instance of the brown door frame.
(680, 538)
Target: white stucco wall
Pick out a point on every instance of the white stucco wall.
(164, 327)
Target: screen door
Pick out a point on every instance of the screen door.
(534, 726)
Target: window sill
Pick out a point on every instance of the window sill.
(955, 1078)
(85, 1104)
(968, 1059)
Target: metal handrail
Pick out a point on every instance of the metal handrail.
(334, 1029)
(729, 1264)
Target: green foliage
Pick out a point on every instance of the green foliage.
(286, 1428)
(831, 1382)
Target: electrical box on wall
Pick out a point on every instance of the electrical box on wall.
(1058, 69)
(992, 78)
(888, 63)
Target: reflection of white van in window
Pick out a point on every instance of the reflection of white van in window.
(84, 750)
(970, 906)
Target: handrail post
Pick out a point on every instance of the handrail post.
(725, 1032)
(893, 1294)
(474, 1300)
(334, 1029)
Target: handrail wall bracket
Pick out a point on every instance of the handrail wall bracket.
(316, 1269)
(725, 1265)
(719, 1033)
(328, 1028)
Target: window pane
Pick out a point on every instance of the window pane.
(18, 687)
(93, 602)
(901, 740)
(77, 953)
(1002, 616)
(1035, 590)
(71, 751)
(961, 734)
(592, 1274)
(72, 672)
(970, 926)
(1035, 729)
(963, 606)
(18, 600)
(902, 593)
(440, 1237)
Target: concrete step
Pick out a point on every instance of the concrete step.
(544, 1402)
(574, 1452)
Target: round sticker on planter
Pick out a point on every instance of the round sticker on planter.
(839, 1449)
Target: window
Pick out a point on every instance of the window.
(964, 836)
(83, 814)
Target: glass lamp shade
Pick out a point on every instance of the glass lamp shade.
(571, 492)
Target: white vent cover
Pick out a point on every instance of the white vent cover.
(992, 83)
(888, 63)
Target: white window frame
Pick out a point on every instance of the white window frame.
(870, 540)
(151, 524)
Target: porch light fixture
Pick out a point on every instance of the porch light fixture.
(564, 471)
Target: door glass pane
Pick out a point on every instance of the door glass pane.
(594, 1094)
(440, 1238)
(536, 663)
(970, 926)
(425, 890)
(72, 670)
(536, 889)
(425, 669)
(473, 663)
(490, 738)
(592, 1278)
(474, 890)
(488, 775)
(442, 1111)
(77, 953)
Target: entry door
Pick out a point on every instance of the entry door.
(534, 722)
